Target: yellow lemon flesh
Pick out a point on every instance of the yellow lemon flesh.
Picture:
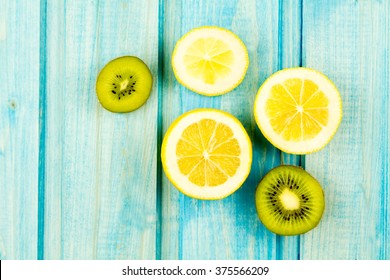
(298, 110)
(206, 154)
(210, 60)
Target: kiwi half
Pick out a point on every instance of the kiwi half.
(124, 84)
(289, 201)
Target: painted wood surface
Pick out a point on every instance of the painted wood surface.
(349, 42)
(87, 184)
(100, 199)
(19, 128)
(228, 228)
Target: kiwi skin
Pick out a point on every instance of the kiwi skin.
(124, 84)
(307, 195)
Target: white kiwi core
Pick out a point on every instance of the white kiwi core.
(123, 85)
(289, 200)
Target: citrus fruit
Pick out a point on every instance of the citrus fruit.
(206, 154)
(298, 110)
(210, 60)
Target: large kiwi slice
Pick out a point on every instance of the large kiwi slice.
(124, 84)
(289, 201)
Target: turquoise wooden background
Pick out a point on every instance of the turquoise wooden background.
(78, 182)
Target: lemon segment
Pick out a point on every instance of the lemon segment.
(210, 60)
(206, 154)
(298, 110)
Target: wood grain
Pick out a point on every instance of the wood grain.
(19, 128)
(230, 228)
(100, 166)
(349, 42)
(79, 182)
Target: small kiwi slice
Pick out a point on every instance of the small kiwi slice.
(289, 201)
(124, 84)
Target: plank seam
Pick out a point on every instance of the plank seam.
(280, 35)
(385, 213)
(278, 239)
(301, 33)
(42, 129)
(159, 128)
(302, 157)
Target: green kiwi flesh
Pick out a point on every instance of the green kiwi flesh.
(289, 201)
(124, 84)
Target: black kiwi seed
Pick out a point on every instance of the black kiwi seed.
(289, 201)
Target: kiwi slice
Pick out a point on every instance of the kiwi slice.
(289, 201)
(124, 84)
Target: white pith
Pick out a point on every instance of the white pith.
(289, 200)
(123, 84)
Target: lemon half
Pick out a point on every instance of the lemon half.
(298, 110)
(210, 60)
(206, 154)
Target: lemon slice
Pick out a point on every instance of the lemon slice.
(206, 154)
(298, 110)
(210, 60)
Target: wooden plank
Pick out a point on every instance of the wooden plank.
(19, 128)
(349, 42)
(290, 36)
(100, 166)
(229, 228)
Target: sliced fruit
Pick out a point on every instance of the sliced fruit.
(210, 60)
(298, 110)
(124, 84)
(206, 154)
(289, 201)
